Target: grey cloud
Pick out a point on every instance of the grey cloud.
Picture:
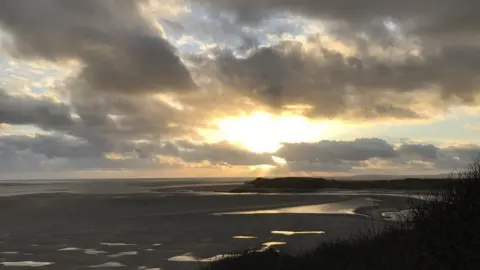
(175, 26)
(337, 151)
(61, 146)
(105, 121)
(51, 146)
(448, 18)
(365, 86)
(466, 151)
(58, 153)
(222, 153)
(17, 161)
(252, 10)
(120, 50)
(27, 110)
(150, 149)
(127, 117)
(361, 154)
(306, 166)
(424, 151)
(20, 153)
(457, 157)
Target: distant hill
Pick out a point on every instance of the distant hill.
(311, 184)
(390, 177)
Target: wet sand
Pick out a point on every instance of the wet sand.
(157, 230)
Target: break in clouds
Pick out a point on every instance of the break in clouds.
(145, 77)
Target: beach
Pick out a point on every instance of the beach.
(170, 225)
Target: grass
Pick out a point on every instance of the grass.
(439, 234)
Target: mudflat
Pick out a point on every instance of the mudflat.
(173, 230)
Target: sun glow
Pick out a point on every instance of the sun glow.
(280, 161)
(262, 132)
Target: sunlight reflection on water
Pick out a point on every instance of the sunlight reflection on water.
(26, 264)
(244, 237)
(294, 233)
(270, 244)
(344, 207)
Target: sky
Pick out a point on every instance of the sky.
(238, 88)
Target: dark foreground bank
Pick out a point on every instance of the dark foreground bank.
(439, 234)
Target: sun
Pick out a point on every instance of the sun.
(262, 132)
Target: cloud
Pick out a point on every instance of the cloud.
(51, 146)
(321, 167)
(125, 117)
(118, 48)
(335, 151)
(28, 110)
(62, 153)
(365, 86)
(222, 153)
(124, 61)
(361, 61)
(375, 155)
(41, 153)
(133, 100)
(424, 151)
(446, 19)
(458, 156)
(106, 122)
(66, 155)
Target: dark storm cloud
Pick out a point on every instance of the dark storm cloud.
(27, 110)
(447, 18)
(119, 49)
